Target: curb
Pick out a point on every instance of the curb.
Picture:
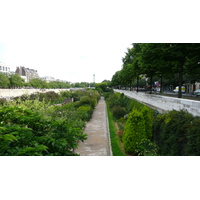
(108, 131)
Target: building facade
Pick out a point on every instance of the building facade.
(26, 73)
(4, 68)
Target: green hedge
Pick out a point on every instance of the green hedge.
(177, 133)
(137, 135)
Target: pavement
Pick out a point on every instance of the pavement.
(98, 141)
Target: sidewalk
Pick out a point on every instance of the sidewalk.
(98, 142)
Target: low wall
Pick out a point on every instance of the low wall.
(7, 93)
(163, 103)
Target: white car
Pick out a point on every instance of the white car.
(197, 92)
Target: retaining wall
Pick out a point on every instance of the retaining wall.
(7, 93)
(163, 103)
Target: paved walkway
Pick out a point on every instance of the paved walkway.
(98, 142)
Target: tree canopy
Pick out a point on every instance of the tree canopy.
(162, 60)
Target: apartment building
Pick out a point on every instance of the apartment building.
(26, 73)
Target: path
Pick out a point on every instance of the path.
(98, 142)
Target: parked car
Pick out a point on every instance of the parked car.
(197, 92)
(177, 88)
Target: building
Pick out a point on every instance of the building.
(26, 73)
(4, 68)
(48, 78)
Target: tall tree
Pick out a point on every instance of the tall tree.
(185, 58)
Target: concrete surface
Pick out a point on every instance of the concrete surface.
(98, 142)
(164, 103)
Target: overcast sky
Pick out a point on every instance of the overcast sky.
(72, 40)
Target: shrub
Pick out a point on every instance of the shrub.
(86, 100)
(25, 131)
(134, 132)
(85, 112)
(3, 101)
(146, 148)
(118, 112)
(193, 138)
(171, 132)
(148, 120)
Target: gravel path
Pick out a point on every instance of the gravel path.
(98, 142)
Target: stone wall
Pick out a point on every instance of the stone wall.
(163, 103)
(7, 93)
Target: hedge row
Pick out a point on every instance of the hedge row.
(177, 133)
(137, 135)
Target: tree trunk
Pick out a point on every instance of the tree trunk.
(151, 78)
(161, 84)
(137, 82)
(180, 81)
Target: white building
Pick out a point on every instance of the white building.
(48, 78)
(4, 68)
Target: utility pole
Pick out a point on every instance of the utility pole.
(93, 78)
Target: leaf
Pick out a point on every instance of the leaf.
(9, 137)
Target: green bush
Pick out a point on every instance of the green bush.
(86, 100)
(175, 133)
(85, 112)
(134, 132)
(26, 131)
(148, 120)
(118, 112)
(193, 138)
(147, 148)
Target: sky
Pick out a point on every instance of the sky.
(73, 40)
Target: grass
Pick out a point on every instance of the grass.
(113, 135)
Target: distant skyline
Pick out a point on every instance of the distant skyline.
(72, 40)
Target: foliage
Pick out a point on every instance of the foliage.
(16, 80)
(38, 83)
(84, 112)
(134, 132)
(137, 135)
(4, 81)
(2, 101)
(28, 132)
(30, 126)
(102, 87)
(161, 60)
(148, 120)
(116, 150)
(177, 133)
(146, 148)
(118, 111)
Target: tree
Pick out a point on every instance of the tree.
(184, 58)
(38, 83)
(16, 80)
(116, 79)
(4, 81)
(101, 86)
